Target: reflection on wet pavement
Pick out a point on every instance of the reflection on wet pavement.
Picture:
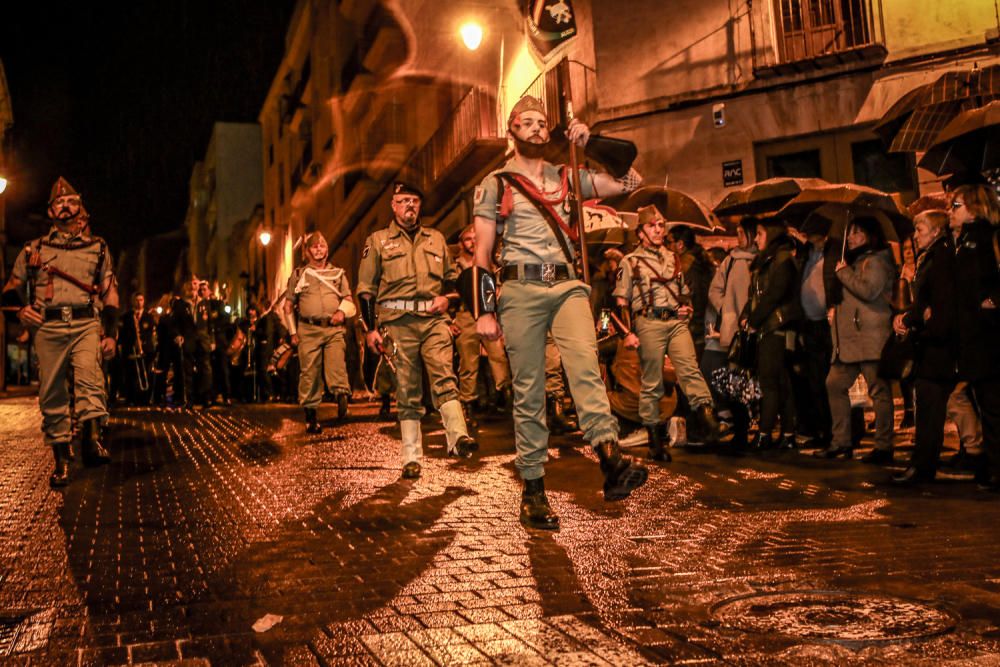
(206, 522)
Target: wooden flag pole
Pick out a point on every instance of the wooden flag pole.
(575, 173)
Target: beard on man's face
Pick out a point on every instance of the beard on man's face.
(530, 149)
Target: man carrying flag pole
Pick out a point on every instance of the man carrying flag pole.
(528, 203)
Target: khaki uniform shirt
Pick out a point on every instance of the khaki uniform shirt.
(317, 292)
(75, 254)
(395, 267)
(527, 237)
(637, 281)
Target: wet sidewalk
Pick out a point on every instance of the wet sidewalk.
(208, 524)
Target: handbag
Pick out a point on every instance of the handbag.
(743, 350)
(896, 360)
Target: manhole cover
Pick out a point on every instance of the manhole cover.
(835, 616)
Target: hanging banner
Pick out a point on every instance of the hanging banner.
(551, 23)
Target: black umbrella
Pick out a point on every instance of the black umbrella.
(970, 142)
(845, 201)
(914, 121)
(673, 205)
(764, 197)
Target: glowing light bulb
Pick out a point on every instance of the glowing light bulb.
(472, 35)
(265, 238)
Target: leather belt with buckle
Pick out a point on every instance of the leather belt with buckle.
(316, 321)
(68, 313)
(662, 314)
(409, 305)
(546, 273)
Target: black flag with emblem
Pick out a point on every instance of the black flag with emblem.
(551, 23)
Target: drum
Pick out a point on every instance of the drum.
(279, 358)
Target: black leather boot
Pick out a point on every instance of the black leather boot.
(469, 408)
(384, 412)
(341, 406)
(506, 398)
(535, 509)
(312, 423)
(60, 476)
(621, 474)
(559, 422)
(94, 453)
(657, 437)
(710, 430)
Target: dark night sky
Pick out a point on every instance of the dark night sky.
(120, 99)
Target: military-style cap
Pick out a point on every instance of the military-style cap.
(401, 188)
(61, 188)
(526, 103)
(646, 215)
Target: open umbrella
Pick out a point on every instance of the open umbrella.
(913, 122)
(845, 201)
(674, 205)
(604, 225)
(764, 197)
(970, 142)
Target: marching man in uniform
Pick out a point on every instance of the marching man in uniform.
(319, 297)
(66, 288)
(654, 303)
(527, 203)
(405, 273)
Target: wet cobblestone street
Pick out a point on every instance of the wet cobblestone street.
(206, 522)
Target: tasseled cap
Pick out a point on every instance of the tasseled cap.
(61, 188)
(526, 103)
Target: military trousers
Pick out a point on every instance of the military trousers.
(528, 311)
(61, 345)
(554, 385)
(659, 338)
(322, 353)
(422, 342)
(468, 343)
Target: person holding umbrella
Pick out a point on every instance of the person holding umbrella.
(861, 323)
(975, 218)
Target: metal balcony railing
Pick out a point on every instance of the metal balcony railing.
(475, 117)
(800, 31)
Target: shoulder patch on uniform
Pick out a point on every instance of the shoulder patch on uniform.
(480, 195)
(365, 251)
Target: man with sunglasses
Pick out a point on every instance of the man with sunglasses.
(404, 282)
(65, 286)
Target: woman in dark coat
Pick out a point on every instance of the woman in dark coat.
(773, 311)
(930, 324)
(975, 216)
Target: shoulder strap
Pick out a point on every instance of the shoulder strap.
(555, 223)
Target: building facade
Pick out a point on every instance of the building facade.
(715, 95)
(226, 188)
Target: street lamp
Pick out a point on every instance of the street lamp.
(3, 184)
(472, 35)
(265, 239)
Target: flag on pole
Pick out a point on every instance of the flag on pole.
(551, 24)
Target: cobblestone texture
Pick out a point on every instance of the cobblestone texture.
(205, 522)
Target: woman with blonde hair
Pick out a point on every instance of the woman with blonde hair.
(930, 324)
